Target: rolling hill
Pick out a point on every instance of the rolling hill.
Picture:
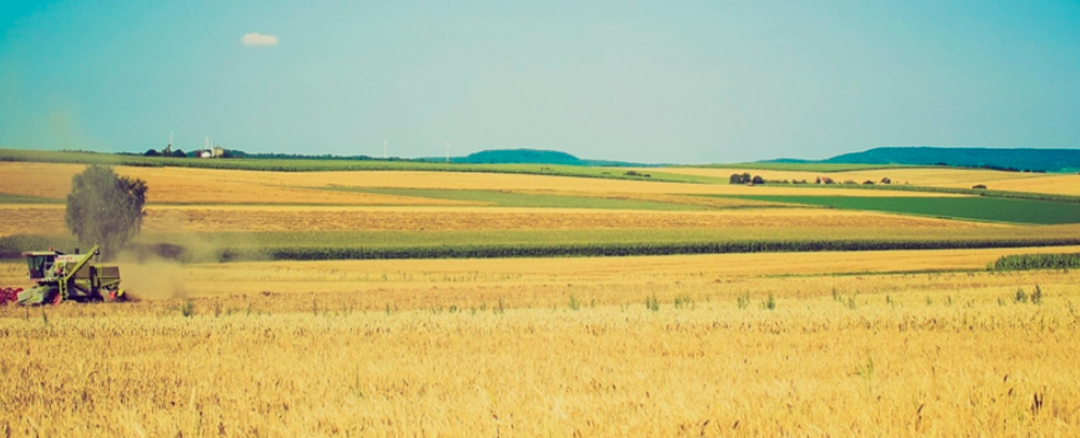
(1036, 160)
(531, 156)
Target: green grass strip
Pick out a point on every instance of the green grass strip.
(968, 208)
(807, 167)
(7, 198)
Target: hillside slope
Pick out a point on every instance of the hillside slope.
(1046, 160)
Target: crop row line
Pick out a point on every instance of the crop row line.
(612, 249)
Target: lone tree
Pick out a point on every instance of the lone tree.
(104, 208)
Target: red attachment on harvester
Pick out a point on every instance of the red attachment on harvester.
(8, 294)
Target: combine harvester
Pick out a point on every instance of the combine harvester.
(66, 277)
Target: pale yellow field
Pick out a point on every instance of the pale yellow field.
(1057, 184)
(1052, 184)
(195, 186)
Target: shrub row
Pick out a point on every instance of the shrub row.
(1037, 261)
(12, 247)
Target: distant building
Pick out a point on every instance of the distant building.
(214, 152)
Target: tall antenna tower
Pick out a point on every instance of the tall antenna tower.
(384, 143)
(168, 149)
(448, 151)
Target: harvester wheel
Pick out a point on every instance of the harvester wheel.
(117, 295)
(57, 298)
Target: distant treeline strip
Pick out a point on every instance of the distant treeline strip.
(1037, 261)
(331, 163)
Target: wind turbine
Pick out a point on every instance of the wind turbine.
(448, 151)
(384, 144)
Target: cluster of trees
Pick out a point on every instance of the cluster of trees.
(746, 179)
(154, 153)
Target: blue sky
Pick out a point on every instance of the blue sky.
(686, 82)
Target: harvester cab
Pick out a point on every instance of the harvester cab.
(39, 263)
(67, 277)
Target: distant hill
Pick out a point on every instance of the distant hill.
(515, 156)
(1035, 160)
(531, 156)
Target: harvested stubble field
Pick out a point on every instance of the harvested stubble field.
(49, 219)
(560, 348)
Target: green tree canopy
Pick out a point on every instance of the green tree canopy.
(105, 209)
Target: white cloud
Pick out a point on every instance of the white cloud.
(256, 39)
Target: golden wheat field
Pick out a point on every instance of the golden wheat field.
(562, 349)
(823, 344)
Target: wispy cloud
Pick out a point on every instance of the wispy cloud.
(256, 39)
